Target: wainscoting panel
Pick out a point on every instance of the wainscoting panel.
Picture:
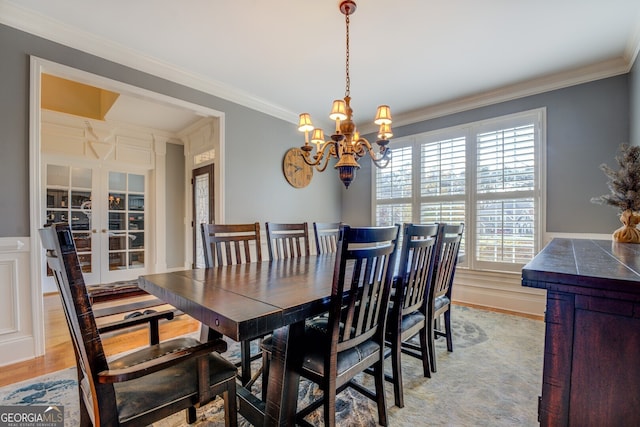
(16, 309)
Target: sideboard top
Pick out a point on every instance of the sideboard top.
(599, 264)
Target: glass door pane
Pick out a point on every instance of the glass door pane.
(202, 209)
(69, 193)
(126, 213)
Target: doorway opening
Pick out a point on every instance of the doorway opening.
(101, 142)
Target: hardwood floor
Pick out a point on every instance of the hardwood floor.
(59, 350)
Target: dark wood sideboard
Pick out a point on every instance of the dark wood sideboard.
(591, 374)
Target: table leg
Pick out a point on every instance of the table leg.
(245, 362)
(282, 392)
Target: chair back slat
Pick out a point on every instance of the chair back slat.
(362, 280)
(420, 244)
(62, 259)
(447, 259)
(287, 240)
(326, 235)
(227, 244)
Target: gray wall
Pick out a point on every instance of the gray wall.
(175, 205)
(585, 125)
(634, 84)
(255, 142)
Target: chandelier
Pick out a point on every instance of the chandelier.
(345, 144)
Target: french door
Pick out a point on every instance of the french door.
(106, 212)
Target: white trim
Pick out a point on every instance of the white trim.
(35, 203)
(469, 131)
(19, 336)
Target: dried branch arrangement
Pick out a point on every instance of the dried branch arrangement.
(624, 183)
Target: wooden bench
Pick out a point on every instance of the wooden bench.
(111, 292)
(137, 306)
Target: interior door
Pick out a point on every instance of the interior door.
(69, 194)
(203, 195)
(106, 212)
(124, 236)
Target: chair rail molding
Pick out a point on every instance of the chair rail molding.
(18, 304)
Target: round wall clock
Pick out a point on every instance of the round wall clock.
(295, 170)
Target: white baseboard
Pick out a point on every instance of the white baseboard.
(502, 291)
(17, 350)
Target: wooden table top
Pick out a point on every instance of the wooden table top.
(248, 300)
(585, 263)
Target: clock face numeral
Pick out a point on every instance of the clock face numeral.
(296, 171)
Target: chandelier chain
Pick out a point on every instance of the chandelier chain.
(345, 144)
(347, 91)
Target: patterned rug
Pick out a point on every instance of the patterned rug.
(493, 377)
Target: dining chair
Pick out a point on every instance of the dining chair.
(228, 244)
(439, 302)
(284, 240)
(326, 235)
(408, 308)
(335, 348)
(147, 384)
(287, 240)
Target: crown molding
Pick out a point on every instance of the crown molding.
(42, 26)
(633, 45)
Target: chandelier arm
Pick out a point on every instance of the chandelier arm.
(383, 161)
(326, 153)
(305, 157)
(365, 146)
(324, 166)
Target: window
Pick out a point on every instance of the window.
(485, 174)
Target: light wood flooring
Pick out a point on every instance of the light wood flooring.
(59, 350)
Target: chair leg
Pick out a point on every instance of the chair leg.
(424, 351)
(380, 395)
(431, 345)
(447, 328)
(85, 419)
(265, 374)
(396, 369)
(230, 406)
(192, 417)
(330, 403)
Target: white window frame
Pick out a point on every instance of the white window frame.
(470, 131)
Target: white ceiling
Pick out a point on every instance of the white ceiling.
(287, 56)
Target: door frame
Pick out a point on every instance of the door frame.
(38, 66)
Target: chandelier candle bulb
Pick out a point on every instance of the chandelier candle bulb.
(345, 144)
(317, 137)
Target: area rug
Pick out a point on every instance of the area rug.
(493, 377)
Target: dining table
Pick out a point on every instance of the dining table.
(247, 301)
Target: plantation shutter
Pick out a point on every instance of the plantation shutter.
(394, 189)
(505, 181)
